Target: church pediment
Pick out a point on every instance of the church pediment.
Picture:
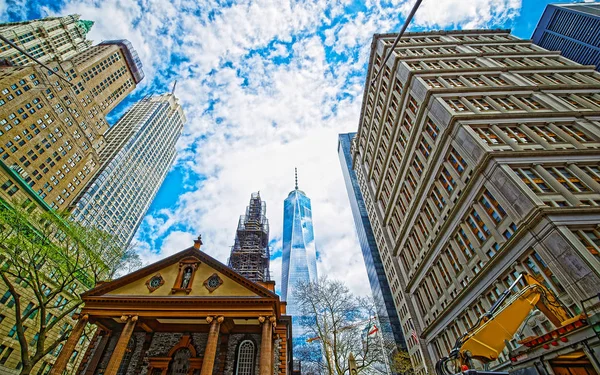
(189, 273)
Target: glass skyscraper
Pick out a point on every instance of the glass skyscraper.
(299, 250)
(299, 258)
(139, 152)
(380, 288)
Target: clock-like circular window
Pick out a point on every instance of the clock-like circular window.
(213, 282)
(155, 282)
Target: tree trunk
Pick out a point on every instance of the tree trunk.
(26, 369)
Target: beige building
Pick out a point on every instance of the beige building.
(477, 158)
(51, 132)
(51, 136)
(51, 38)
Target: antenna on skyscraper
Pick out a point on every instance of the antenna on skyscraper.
(174, 85)
(296, 174)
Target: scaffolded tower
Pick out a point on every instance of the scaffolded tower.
(250, 252)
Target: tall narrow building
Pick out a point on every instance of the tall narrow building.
(140, 150)
(477, 160)
(250, 255)
(571, 29)
(46, 39)
(387, 315)
(299, 249)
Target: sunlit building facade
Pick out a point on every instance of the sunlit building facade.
(477, 159)
(46, 39)
(140, 151)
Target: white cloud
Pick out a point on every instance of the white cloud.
(251, 121)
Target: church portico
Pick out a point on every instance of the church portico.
(185, 315)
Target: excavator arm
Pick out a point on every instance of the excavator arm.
(487, 338)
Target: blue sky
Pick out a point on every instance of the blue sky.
(266, 86)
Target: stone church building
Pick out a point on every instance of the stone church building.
(187, 314)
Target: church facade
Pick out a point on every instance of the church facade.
(187, 314)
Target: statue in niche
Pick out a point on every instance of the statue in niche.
(187, 276)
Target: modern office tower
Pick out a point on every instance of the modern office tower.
(477, 159)
(250, 252)
(299, 249)
(380, 288)
(572, 29)
(51, 38)
(52, 129)
(140, 151)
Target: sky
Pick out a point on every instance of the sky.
(266, 85)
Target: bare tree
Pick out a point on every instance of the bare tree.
(46, 262)
(340, 324)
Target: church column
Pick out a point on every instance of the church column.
(210, 352)
(266, 345)
(119, 351)
(67, 351)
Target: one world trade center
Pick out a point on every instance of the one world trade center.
(299, 250)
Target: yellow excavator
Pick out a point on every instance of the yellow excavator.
(487, 338)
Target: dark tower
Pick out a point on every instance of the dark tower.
(250, 252)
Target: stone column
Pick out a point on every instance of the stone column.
(67, 351)
(266, 345)
(119, 351)
(208, 362)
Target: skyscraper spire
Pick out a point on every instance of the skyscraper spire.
(296, 173)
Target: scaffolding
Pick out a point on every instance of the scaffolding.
(250, 252)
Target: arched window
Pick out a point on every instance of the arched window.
(180, 363)
(245, 358)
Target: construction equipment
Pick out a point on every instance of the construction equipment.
(487, 338)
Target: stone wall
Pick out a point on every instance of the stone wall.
(276, 359)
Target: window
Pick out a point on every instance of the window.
(591, 240)
(533, 180)
(532, 103)
(457, 162)
(456, 105)
(568, 180)
(492, 207)
(245, 358)
(431, 129)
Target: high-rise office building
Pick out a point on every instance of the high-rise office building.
(51, 136)
(477, 159)
(380, 288)
(299, 263)
(250, 255)
(572, 29)
(51, 130)
(50, 38)
(140, 150)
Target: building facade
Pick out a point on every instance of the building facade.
(51, 38)
(390, 326)
(572, 29)
(51, 136)
(186, 314)
(138, 153)
(477, 159)
(52, 133)
(250, 256)
(299, 249)
(299, 258)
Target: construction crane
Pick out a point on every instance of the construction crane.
(487, 338)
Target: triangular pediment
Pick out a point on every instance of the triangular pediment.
(210, 279)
